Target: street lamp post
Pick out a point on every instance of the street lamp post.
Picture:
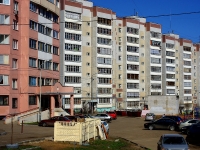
(41, 90)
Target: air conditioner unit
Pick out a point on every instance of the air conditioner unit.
(15, 12)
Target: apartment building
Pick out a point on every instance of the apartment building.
(29, 43)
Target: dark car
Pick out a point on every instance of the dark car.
(194, 130)
(163, 123)
(112, 114)
(72, 118)
(172, 141)
(52, 120)
(175, 118)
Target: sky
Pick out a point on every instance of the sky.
(186, 26)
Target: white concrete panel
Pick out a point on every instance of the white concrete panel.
(104, 15)
(73, 42)
(170, 41)
(73, 31)
(73, 53)
(103, 96)
(132, 81)
(132, 25)
(73, 63)
(133, 63)
(156, 65)
(104, 85)
(72, 20)
(133, 72)
(155, 29)
(104, 26)
(45, 39)
(73, 74)
(104, 76)
(87, 13)
(104, 66)
(156, 39)
(104, 46)
(47, 22)
(73, 9)
(133, 90)
(171, 50)
(133, 35)
(104, 36)
(171, 65)
(73, 84)
(133, 44)
(131, 99)
(105, 56)
(44, 55)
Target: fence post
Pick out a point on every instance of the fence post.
(94, 121)
(88, 132)
(22, 126)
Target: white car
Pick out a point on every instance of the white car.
(106, 125)
(188, 123)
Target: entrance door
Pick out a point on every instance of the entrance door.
(46, 102)
(56, 101)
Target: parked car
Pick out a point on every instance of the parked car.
(186, 124)
(112, 114)
(52, 120)
(106, 125)
(172, 141)
(103, 117)
(150, 117)
(72, 118)
(194, 130)
(163, 123)
(175, 118)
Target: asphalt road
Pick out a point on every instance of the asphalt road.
(126, 127)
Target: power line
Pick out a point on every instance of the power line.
(153, 16)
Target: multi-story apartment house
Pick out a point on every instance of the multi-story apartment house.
(29, 43)
(87, 54)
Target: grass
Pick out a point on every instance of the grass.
(109, 144)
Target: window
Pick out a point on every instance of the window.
(104, 100)
(132, 40)
(14, 102)
(48, 48)
(48, 31)
(72, 47)
(156, 43)
(187, 63)
(155, 52)
(187, 77)
(32, 100)
(104, 91)
(4, 59)
(14, 83)
(170, 69)
(4, 39)
(33, 7)
(104, 70)
(4, 19)
(132, 30)
(170, 46)
(72, 36)
(170, 61)
(188, 49)
(120, 48)
(32, 43)
(4, 100)
(120, 76)
(132, 58)
(15, 25)
(55, 50)
(48, 65)
(104, 21)
(119, 86)
(133, 67)
(120, 30)
(104, 41)
(72, 79)
(5, 2)
(15, 44)
(132, 85)
(16, 5)
(51, 1)
(155, 60)
(133, 76)
(187, 84)
(133, 49)
(132, 94)
(104, 81)
(155, 34)
(72, 15)
(120, 58)
(88, 54)
(132, 104)
(171, 54)
(73, 58)
(88, 84)
(72, 26)
(120, 95)
(106, 61)
(32, 81)
(187, 91)
(76, 69)
(170, 91)
(14, 63)
(88, 23)
(104, 51)
(55, 81)
(41, 46)
(32, 62)
(103, 31)
(88, 64)
(120, 67)
(88, 43)
(155, 69)
(41, 28)
(4, 80)
(55, 34)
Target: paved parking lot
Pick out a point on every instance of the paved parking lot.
(127, 127)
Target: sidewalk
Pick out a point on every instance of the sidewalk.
(28, 132)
